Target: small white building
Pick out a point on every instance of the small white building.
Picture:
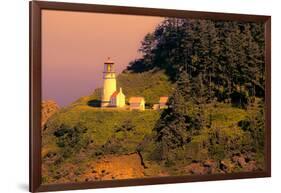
(137, 103)
(117, 99)
(163, 102)
(155, 107)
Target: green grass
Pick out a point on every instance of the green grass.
(102, 126)
(218, 141)
(224, 115)
(151, 85)
(117, 131)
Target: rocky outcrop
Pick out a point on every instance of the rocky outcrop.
(205, 167)
(196, 168)
(235, 163)
(245, 163)
(227, 166)
(48, 107)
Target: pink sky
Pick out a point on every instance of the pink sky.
(75, 45)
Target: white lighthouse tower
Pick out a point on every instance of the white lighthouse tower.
(109, 83)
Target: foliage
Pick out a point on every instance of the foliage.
(93, 129)
(228, 56)
(203, 66)
(151, 85)
(173, 128)
(71, 140)
(254, 124)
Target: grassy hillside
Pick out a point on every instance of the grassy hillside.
(151, 85)
(222, 144)
(80, 139)
(119, 132)
(225, 119)
(80, 133)
(101, 126)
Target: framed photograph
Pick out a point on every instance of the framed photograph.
(123, 96)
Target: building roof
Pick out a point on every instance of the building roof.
(163, 99)
(136, 100)
(115, 94)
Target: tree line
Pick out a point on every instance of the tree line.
(226, 56)
(209, 62)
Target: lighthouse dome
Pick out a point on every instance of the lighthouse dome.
(109, 61)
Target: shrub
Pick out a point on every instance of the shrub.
(71, 140)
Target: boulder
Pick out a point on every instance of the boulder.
(240, 160)
(210, 163)
(227, 166)
(196, 168)
(250, 166)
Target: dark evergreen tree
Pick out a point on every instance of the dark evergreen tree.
(209, 62)
(181, 120)
(147, 48)
(229, 55)
(173, 129)
(199, 99)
